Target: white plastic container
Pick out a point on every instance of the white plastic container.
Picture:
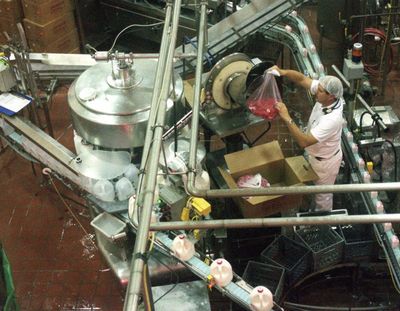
(202, 181)
(395, 241)
(374, 194)
(132, 173)
(288, 29)
(366, 177)
(124, 189)
(354, 148)
(387, 226)
(261, 299)
(182, 247)
(221, 270)
(360, 161)
(104, 190)
(379, 207)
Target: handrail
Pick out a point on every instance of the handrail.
(275, 222)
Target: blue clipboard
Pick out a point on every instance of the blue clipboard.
(11, 103)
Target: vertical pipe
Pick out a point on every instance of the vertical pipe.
(150, 178)
(197, 90)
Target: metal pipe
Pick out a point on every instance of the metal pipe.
(227, 193)
(196, 100)
(104, 55)
(373, 15)
(137, 265)
(275, 222)
(156, 91)
(341, 76)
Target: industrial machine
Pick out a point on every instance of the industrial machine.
(148, 180)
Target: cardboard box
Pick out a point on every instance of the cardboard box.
(269, 161)
(45, 11)
(64, 44)
(11, 9)
(45, 33)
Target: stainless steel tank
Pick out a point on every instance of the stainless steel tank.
(110, 103)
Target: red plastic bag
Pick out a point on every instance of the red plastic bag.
(264, 94)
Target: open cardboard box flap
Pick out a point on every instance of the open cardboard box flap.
(269, 161)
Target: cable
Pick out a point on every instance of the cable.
(251, 143)
(376, 33)
(152, 238)
(385, 42)
(176, 282)
(395, 158)
(146, 289)
(361, 119)
(130, 26)
(296, 306)
(47, 171)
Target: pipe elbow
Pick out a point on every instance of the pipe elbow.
(191, 190)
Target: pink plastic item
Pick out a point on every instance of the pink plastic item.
(379, 207)
(387, 226)
(264, 94)
(252, 181)
(395, 241)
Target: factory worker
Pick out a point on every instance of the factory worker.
(322, 138)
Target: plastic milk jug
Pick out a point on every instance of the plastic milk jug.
(104, 190)
(221, 270)
(124, 189)
(132, 173)
(261, 299)
(182, 247)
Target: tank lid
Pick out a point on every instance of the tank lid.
(95, 93)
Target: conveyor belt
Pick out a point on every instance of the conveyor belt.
(240, 25)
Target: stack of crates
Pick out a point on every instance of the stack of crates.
(325, 244)
(290, 255)
(50, 26)
(10, 16)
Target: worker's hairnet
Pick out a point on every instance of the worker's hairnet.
(332, 85)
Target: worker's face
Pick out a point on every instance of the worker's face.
(323, 96)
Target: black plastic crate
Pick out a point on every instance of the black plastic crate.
(294, 257)
(325, 244)
(262, 274)
(359, 242)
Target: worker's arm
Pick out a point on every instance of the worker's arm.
(302, 139)
(294, 76)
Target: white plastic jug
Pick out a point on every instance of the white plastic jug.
(132, 173)
(124, 189)
(104, 190)
(221, 270)
(261, 299)
(182, 247)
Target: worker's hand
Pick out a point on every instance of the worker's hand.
(276, 71)
(283, 111)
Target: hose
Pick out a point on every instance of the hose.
(373, 69)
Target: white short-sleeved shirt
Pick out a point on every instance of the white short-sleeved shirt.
(325, 127)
